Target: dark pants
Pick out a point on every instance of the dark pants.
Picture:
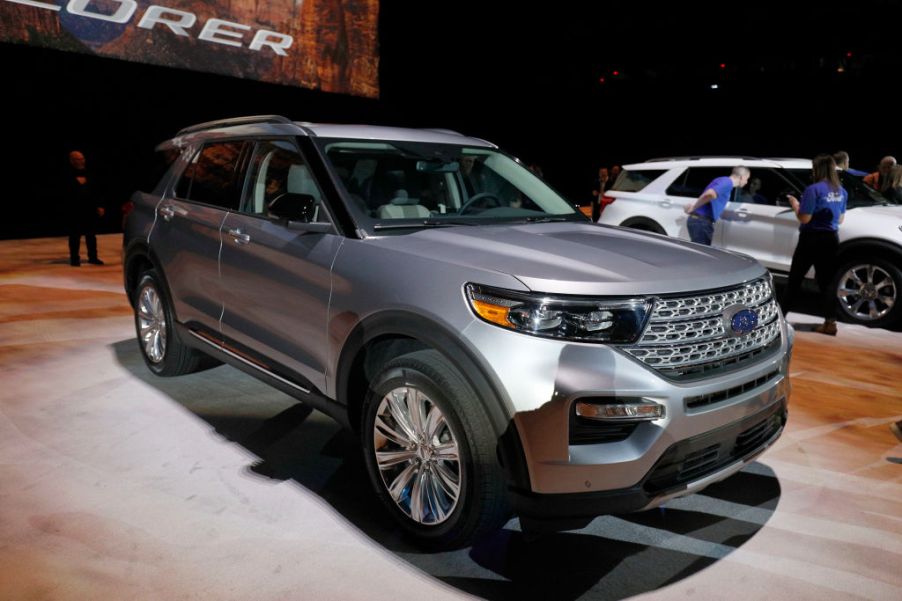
(701, 229)
(89, 231)
(817, 249)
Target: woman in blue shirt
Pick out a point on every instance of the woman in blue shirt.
(820, 212)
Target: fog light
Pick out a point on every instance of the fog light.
(638, 411)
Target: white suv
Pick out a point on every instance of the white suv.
(759, 222)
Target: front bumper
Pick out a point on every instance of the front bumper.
(552, 476)
(686, 467)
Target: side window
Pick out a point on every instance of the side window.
(694, 181)
(279, 174)
(633, 180)
(213, 176)
(764, 188)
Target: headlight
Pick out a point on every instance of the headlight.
(567, 318)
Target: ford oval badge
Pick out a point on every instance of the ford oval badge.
(744, 321)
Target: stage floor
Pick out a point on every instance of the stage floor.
(115, 484)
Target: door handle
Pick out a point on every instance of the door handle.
(239, 237)
(167, 213)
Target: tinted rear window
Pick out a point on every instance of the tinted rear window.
(634, 180)
(213, 176)
(693, 181)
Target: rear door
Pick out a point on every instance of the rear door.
(276, 281)
(185, 237)
(687, 188)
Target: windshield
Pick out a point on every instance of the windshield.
(860, 194)
(399, 185)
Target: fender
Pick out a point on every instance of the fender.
(468, 362)
(890, 250)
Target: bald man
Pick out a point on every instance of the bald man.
(82, 208)
(879, 180)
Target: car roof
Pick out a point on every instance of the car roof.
(262, 125)
(721, 161)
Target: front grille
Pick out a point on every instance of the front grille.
(703, 400)
(687, 336)
(698, 457)
(584, 431)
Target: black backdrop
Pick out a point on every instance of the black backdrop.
(796, 80)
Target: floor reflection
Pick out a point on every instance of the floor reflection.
(612, 558)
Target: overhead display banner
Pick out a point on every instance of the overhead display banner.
(328, 45)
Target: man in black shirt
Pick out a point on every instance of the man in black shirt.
(82, 209)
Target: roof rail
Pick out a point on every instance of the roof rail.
(698, 158)
(442, 130)
(234, 121)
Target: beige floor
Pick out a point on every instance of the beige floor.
(118, 485)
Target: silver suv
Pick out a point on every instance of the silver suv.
(494, 350)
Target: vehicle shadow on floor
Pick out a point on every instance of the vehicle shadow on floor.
(612, 558)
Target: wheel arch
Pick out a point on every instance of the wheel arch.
(860, 246)
(646, 224)
(390, 334)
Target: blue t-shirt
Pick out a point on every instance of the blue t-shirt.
(825, 205)
(723, 186)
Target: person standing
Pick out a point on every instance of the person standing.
(83, 209)
(879, 180)
(894, 189)
(821, 210)
(706, 210)
(842, 162)
(601, 185)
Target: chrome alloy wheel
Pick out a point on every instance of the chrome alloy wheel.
(152, 324)
(418, 455)
(867, 292)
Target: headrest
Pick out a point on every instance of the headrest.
(401, 199)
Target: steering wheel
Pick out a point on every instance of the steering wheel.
(491, 201)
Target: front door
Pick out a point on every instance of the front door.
(276, 281)
(759, 222)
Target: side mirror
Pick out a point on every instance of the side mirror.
(293, 207)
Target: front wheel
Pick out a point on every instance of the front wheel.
(868, 291)
(430, 452)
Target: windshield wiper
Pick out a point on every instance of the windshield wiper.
(424, 223)
(547, 219)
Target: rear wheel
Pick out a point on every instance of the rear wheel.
(644, 224)
(430, 452)
(163, 351)
(868, 291)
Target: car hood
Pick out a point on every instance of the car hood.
(879, 210)
(581, 258)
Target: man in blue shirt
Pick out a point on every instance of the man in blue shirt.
(842, 162)
(706, 210)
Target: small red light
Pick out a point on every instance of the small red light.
(616, 73)
(601, 80)
(723, 65)
(848, 55)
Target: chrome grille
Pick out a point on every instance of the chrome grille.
(691, 331)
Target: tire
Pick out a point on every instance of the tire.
(869, 291)
(417, 479)
(164, 353)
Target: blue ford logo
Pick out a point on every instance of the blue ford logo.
(744, 321)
